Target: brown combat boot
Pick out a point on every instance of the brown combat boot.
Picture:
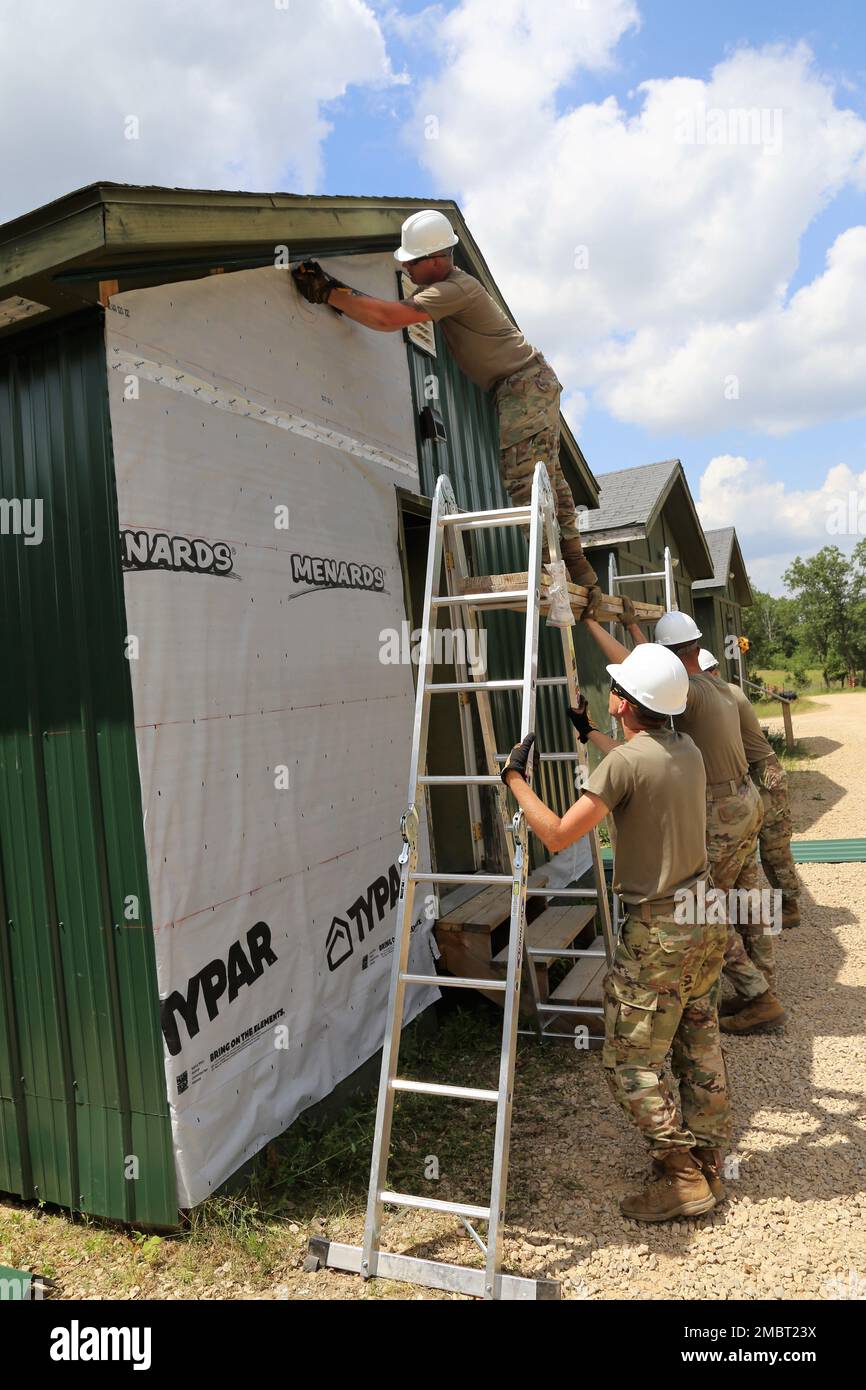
(762, 1015)
(580, 571)
(790, 912)
(711, 1167)
(733, 1005)
(677, 1188)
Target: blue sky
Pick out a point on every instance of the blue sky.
(560, 127)
(365, 153)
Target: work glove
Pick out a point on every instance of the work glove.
(628, 613)
(518, 758)
(314, 283)
(594, 599)
(582, 719)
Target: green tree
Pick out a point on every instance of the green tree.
(770, 625)
(828, 591)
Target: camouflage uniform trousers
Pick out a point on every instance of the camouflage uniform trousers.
(661, 995)
(528, 407)
(733, 823)
(775, 837)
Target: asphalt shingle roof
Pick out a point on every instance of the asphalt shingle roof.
(628, 496)
(720, 543)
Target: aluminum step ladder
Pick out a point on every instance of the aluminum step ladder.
(448, 524)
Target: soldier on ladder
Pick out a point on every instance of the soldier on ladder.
(662, 990)
(486, 346)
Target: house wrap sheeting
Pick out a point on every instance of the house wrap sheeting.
(273, 742)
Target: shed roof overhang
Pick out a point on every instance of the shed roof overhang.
(57, 257)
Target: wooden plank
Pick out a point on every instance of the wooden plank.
(557, 926)
(610, 611)
(584, 977)
(482, 913)
(38, 251)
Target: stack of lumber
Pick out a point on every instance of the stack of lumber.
(610, 611)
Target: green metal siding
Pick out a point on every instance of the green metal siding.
(470, 458)
(81, 1075)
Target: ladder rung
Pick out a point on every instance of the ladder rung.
(497, 516)
(432, 1088)
(404, 1199)
(465, 878)
(479, 600)
(571, 952)
(546, 757)
(552, 680)
(453, 981)
(561, 892)
(477, 780)
(570, 1009)
(450, 687)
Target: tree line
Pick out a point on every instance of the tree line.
(820, 622)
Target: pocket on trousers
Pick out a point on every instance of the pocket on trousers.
(629, 1010)
(734, 812)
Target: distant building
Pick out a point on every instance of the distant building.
(719, 601)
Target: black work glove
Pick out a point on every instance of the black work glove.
(314, 283)
(594, 600)
(582, 719)
(518, 758)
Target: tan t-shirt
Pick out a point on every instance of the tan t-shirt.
(482, 339)
(712, 719)
(655, 787)
(756, 746)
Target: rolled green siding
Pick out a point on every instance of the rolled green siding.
(82, 1089)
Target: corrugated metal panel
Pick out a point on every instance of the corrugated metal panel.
(81, 1078)
(470, 459)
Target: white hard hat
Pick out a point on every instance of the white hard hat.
(706, 660)
(653, 676)
(674, 628)
(425, 233)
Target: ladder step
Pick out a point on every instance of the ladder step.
(432, 1088)
(560, 892)
(479, 600)
(453, 981)
(565, 954)
(405, 1199)
(570, 1009)
(451, 687)
(478, 780)
(546, 757)
(466, 878)
(498, 516)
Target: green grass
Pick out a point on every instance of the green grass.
(320, 1168)
(814, 686)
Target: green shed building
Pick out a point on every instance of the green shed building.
(163, 909)
(642, 513)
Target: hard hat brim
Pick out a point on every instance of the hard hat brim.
(401, 255)
(614, 672)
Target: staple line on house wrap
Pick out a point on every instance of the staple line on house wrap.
(133, 364)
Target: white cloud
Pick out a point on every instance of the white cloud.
(774, 522)
(227, 95)
(691, 246)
